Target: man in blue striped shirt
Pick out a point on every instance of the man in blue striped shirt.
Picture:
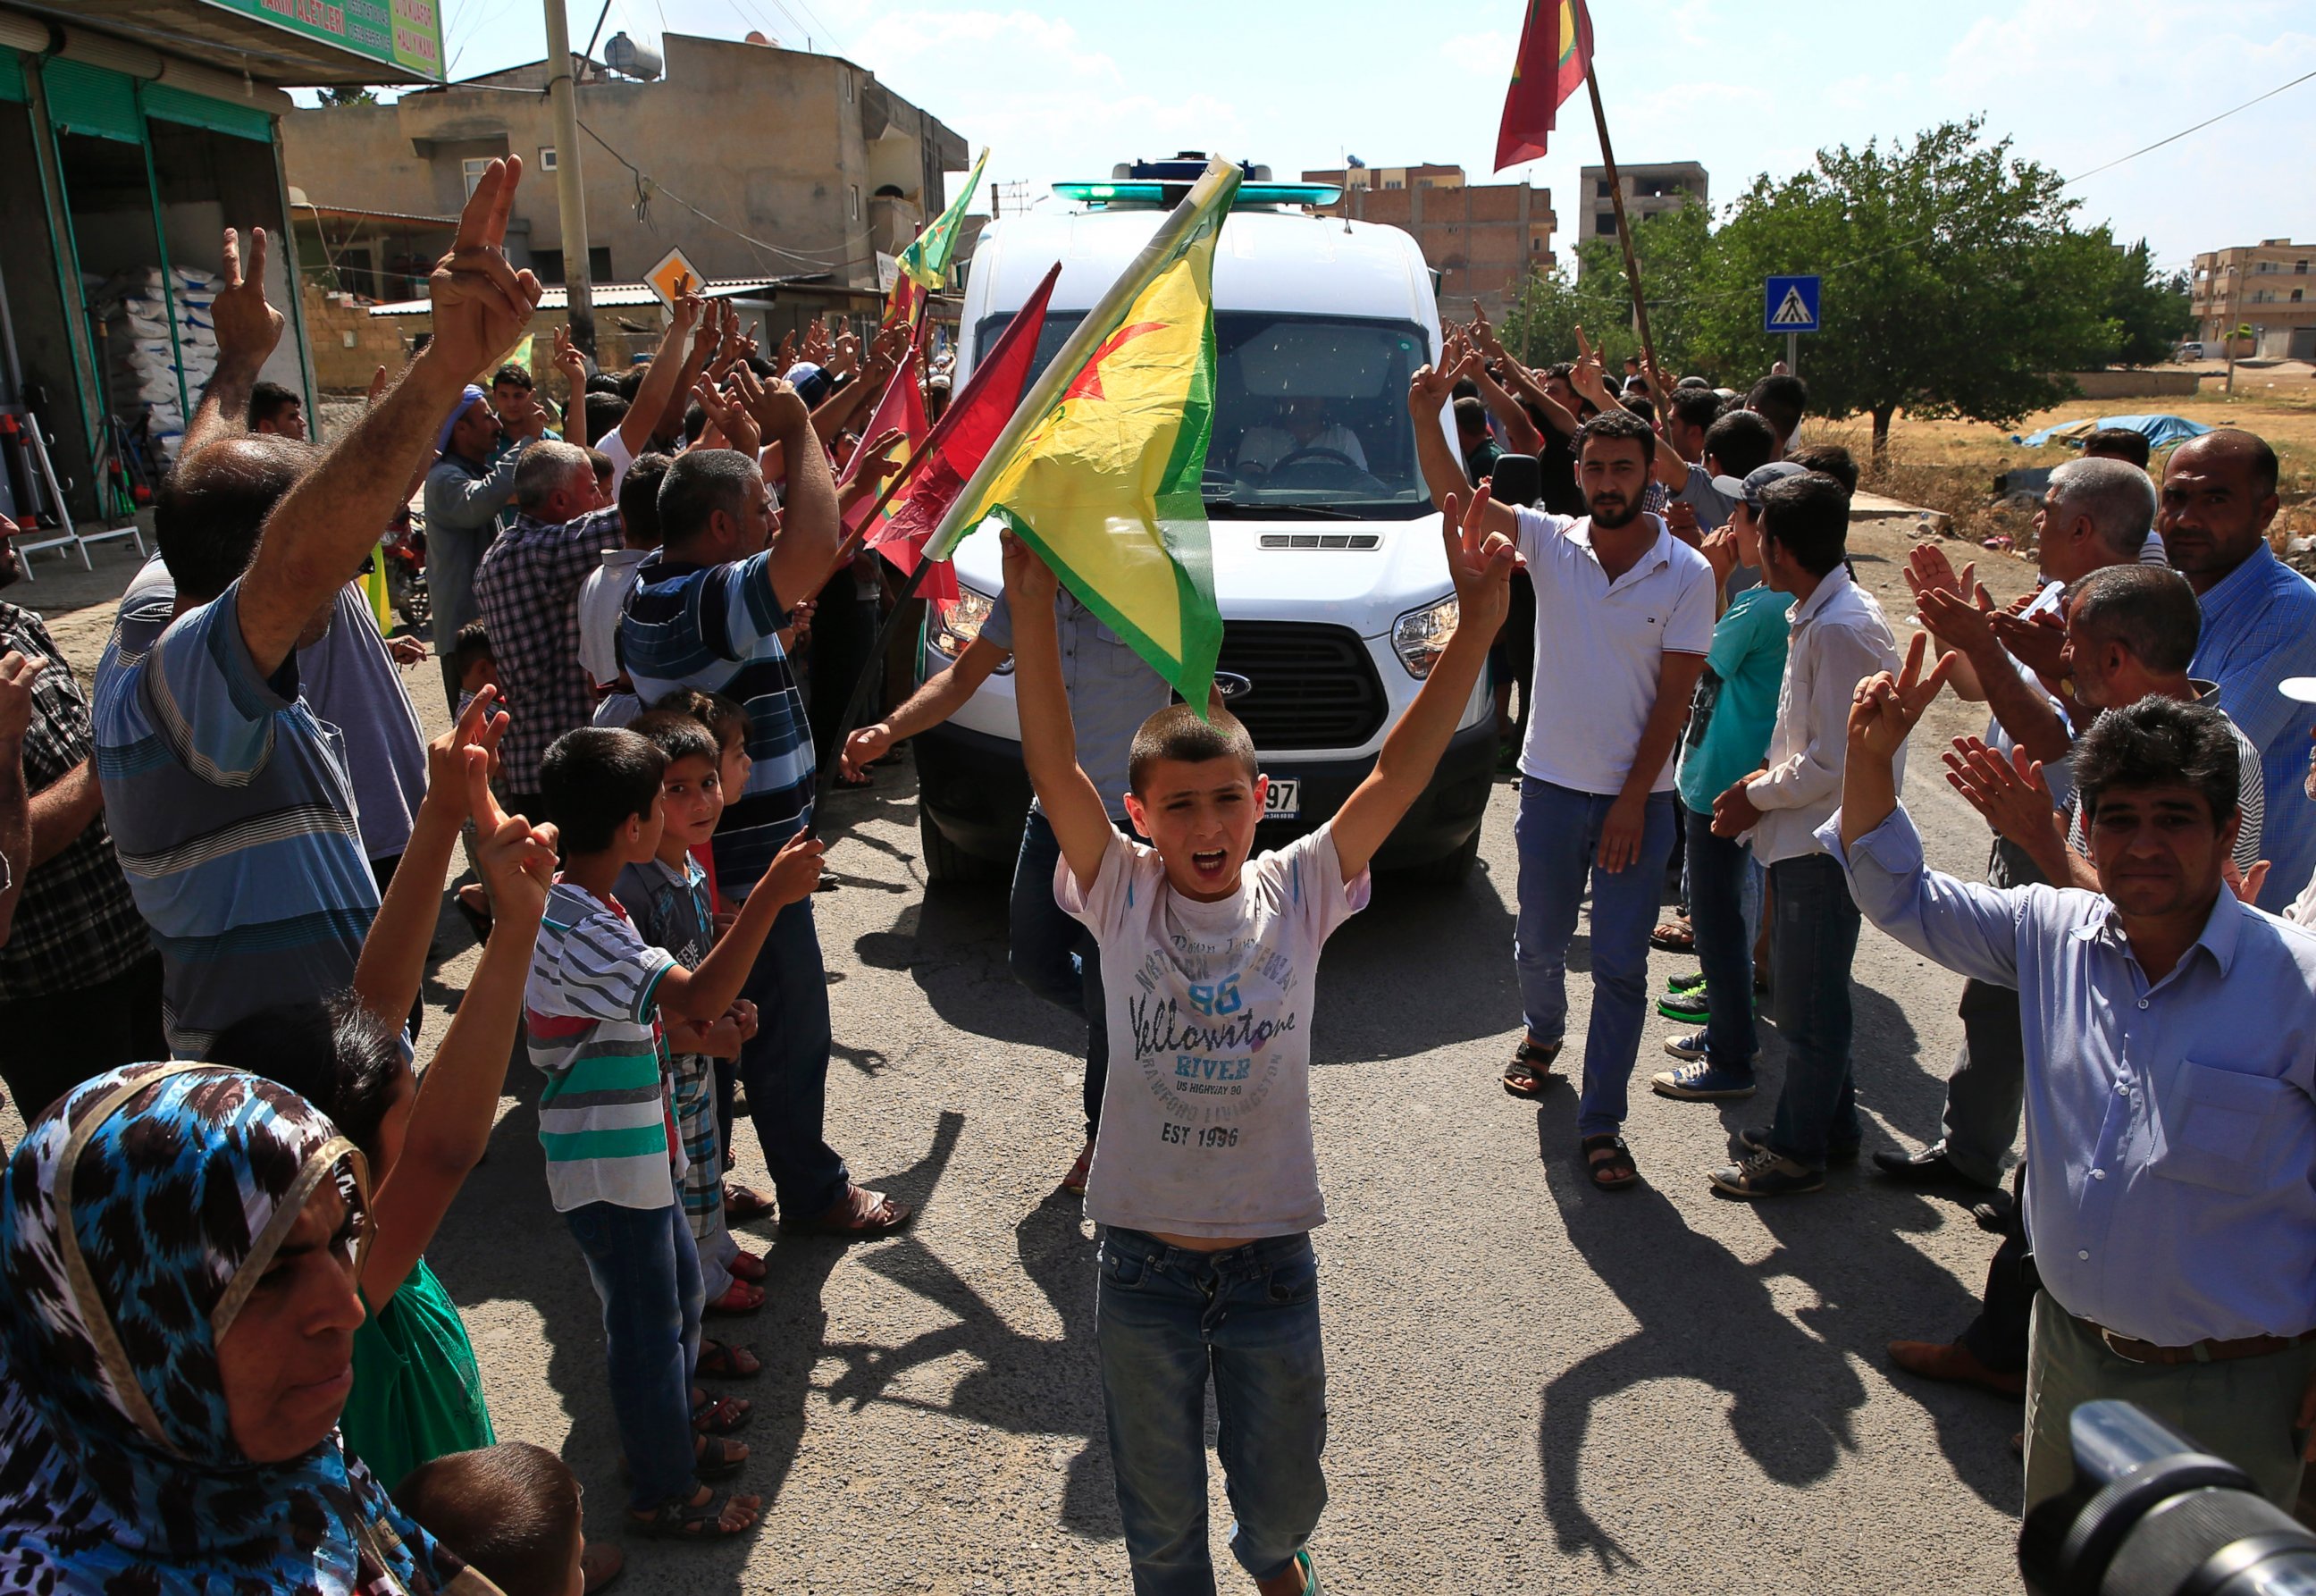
(228, 797)
(2260, 627)
(707, 612)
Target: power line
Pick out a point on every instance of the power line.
(2067, 184)
(2198, 127)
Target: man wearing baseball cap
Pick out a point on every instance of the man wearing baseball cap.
(465, 492)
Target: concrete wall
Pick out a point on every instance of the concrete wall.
(2136, 385)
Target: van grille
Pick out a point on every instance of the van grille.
(1314, 686)
(1360, 541)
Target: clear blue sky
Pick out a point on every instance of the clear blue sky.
(1063, 88)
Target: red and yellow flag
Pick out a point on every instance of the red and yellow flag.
(1555, 52)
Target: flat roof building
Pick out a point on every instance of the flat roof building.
(1649, 191)
(1484, 240)
(2269, 287)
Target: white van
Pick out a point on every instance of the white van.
(1327, 565)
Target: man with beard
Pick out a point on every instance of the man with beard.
(1624, 617)
(2260, 627)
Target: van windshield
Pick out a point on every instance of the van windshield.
(1310, 412)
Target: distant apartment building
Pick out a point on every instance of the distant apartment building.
(1649, 191)
(1483, 239)
(815, 175)
(2268, 287)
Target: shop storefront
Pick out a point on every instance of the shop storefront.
(122, 160)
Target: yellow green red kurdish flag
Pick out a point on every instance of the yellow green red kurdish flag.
(1099, 469)
(926, 259)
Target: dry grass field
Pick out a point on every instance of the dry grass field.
(1952, 464)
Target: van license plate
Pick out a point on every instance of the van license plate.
(1285, 798)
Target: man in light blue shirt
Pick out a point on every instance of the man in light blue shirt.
(2171, 1145)
(2260, 627)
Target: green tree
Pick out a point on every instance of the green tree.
(354, 95)
(1678, 257)
(2150, 313)
(1954, 283)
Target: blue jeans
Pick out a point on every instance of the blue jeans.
(785, 1066)
(1164, 1319)
(646, 1273)
(1811, 943)
(1558, 831)
(1720, 874)
(1054, 956)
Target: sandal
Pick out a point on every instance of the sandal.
(1530, 1074)
(1616, 1169)
(679, 1520)
(1075, 1180)
(719, 1361)
(475, 913)
(751, 1267)
(859, 1215)
(714, 1459)
(720, 1416)
(742, 1202)
(739, 1297)
(601, 1565)
(1674, 936)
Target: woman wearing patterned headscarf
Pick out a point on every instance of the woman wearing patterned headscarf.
(177, 1309)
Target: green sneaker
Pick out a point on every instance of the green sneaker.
(1689, 983)
(1684, 1007)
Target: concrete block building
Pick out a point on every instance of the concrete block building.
(2268, 287)
(1649, 191)
(797, 172)
(1483, 239)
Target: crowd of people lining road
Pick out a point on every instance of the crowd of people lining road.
(223, 1361)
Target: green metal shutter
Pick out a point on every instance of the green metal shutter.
(12, 78)
(84, 98)
(218, 116)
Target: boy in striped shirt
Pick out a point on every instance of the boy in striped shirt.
(594, 1005)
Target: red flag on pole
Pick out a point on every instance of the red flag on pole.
(1555, 49)
(960, 439)
(901, 406)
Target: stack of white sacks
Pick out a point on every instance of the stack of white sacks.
(142, 361)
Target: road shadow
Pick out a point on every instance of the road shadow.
(506, 1196)
(1020, 1384)
(1704, 1315)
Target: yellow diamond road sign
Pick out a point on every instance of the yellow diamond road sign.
(673, 276)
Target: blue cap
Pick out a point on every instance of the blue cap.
(811, 383)
(467, 401)
(1749, 490)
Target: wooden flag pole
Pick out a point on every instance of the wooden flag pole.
(1624, 229)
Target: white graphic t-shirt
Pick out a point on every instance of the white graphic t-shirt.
(1205, 1123)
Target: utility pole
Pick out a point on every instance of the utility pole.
(563, 100)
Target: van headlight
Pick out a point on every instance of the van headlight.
(956, 624)
(1421, 637)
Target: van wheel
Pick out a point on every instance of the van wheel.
(1450, 870)
(945, 861)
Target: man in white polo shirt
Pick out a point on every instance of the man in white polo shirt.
(1624, 617)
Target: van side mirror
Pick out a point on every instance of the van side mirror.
(1516, 479)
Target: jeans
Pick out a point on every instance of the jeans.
(1558, 831)
(1720, 873)
(785, 1066)
(646, 1273)
(50, 1045)
(1166, 1318)
(1811, 943)
(1054, 956)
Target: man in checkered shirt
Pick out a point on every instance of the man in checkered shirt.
(527, 588)
(80, 983)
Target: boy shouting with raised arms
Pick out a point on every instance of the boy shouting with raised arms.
(1204, 1175)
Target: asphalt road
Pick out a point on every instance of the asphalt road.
(1532, 1385)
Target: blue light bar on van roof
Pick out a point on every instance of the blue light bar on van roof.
(1155, 193)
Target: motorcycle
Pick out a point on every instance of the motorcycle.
(403, 550)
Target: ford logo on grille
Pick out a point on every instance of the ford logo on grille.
(1232, 686)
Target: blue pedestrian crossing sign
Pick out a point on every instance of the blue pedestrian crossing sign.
(1789, 305)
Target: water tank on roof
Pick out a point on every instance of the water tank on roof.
(624, 56)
